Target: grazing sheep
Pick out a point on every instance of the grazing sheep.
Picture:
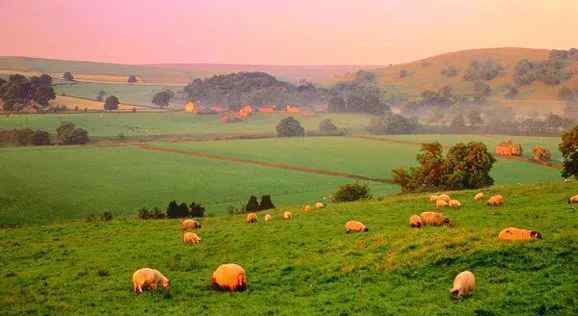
(434, 219)
(268, 217)
(287, 215)
(307, 208)
(433, 198)
(454, 204)
(319, 205)
(479, 196)
(513, 233)
(415, 221)
(464, 284)
(251, 218)
(355, 226)
(191, 238)
(441, 203)
(573, 199)
(444, 197)
(495, 200)
(229, 277)
(187, 224)
(150, 279)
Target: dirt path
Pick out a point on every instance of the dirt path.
(262, 163)
(407, 142)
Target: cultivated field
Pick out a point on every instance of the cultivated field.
(307, 265)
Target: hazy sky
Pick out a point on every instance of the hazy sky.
(278, 32)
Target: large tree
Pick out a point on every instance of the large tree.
(290, 127)
(111, 103)
(19, 92)
(163, 98)
(569, 150)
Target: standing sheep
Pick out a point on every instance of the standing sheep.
(495, 200)
(187, 224)
(229, 277)
(513, 233)
(415, 221)
(464, 284)
(251, 218)
(150, 279)
(191, 238)
(287, 215)
(434, 219)
(355, 226)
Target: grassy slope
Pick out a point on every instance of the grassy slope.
(143, 124)
(309, 265)
(50, 184)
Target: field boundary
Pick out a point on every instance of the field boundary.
(408, 142)
(263, 163)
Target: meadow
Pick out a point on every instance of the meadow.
(174, 123)
(307, 266)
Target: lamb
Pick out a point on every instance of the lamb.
(191, 238)
(454, 204)
(513, 233)
(251, 218)
(464, 284)
(434, 219)
(319, 205)
(229, 277)
(495, 200)
(187, 224)
(479, 196)
(287, 215)
(355, 226)
(415, 221)
(441, 203)
(150, 279)
(268, 217)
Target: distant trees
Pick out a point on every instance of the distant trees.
(569, 150)
(458, 123)
(391, 123)
(100, 96)
(351, 192)
(475, 118)
(163, 98)
(132, 79)
(289, 127)
(40, 138)
(450, 71)
(360, 95)
(111, 103)
(327, 126)
(67, 76)
(566, 94)
(551, 71)
(403, 73)
(511, 91)
(19, 92)
(69, 134)
(463, 167)
(483, 70)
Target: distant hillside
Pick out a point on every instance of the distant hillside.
(164, 73)
(426, 74)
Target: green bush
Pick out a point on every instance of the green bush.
(352, 192)
(266, 203)
(252, 204)
(290, 127)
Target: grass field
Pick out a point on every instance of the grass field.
(127, 93)
(57, 183)
(307, 266)
(72, 102)
(173, 123)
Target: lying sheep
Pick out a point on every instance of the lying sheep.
(513, 233)
(415, 221)
(229, 277)
(464, 284)
(187, 224)
(149, 279)
(479, 196)
(454, 204)
(355, 226)
(191, 238)
(441, 203)
(287, 215)
(434, 219)
(251, 218)
(307, 208)
(319, 205)
(495, 200)
(268, 217)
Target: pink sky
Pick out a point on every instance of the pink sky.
(278, 32)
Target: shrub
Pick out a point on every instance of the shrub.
(266, 203)
(24, 136)
(450, 71)
(155, 213)
(290, 127)
(483, 70)
(111, 103)
(106, 216)
(144, 213)
(327, 125)
(197, 210)
(252, 204)
(352, 192)
(392, 123)
(175, 210)
(68, 134)
(40, 138)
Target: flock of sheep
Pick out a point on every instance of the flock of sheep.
(232, 276)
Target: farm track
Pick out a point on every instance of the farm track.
(263, 163)
(407, 142)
